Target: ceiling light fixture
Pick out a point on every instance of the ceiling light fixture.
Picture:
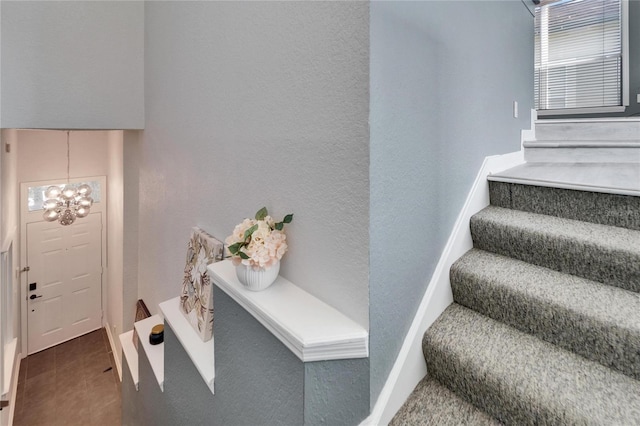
(67, 202)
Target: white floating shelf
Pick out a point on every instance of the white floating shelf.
(310, 328)
(155, 353)
(130, 354)
(201, 353)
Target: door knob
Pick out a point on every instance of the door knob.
(33, 296)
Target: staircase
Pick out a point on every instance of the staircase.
(545, 324)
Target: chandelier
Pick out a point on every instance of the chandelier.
(67, 202)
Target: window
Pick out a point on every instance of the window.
(579, 54)
(36, 198)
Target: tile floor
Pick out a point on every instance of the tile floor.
(68, 385)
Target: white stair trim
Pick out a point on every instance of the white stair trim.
(582, 144)
(587, 120)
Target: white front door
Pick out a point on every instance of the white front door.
(65, 264)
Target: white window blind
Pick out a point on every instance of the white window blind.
(578, 54)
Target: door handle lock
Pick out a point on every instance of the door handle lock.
(33, 296)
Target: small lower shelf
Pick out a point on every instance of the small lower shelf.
(155, 353)
(130, 354)
(201, 353)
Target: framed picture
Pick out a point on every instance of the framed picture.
(196, 297)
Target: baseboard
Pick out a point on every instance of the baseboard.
(410, 367)
(114, 350)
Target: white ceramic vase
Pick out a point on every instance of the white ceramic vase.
(257, 280)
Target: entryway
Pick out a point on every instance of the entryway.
(75, 383)
(64, 269)
(64, 281)
(35, 159)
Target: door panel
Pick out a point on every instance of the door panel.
(66, 264)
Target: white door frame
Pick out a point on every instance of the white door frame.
(36, 216)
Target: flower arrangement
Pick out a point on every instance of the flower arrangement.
(259, 242)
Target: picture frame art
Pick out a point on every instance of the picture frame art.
(196, 296)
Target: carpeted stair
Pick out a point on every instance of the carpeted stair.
(545, 324)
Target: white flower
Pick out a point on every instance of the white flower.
(264, 247)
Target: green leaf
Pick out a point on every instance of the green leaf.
(261, 214)
(234, 248)
(250, 231)
(288, 218)
(279, 226)
(243, 255)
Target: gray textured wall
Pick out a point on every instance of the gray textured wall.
(76, 65)
(252, 104)
(443, 78)
(130, 397)
(336, 392)
(258, 381)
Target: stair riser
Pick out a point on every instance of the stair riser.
(618, 130)
(587, 260)
(605, 342)
(581, 155)
(468, 382)
(605, 209)
(432, 403)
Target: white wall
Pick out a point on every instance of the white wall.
(43, 154)
(130, 149)
(115, 240)
(9, 184)
(72, 64)
(10, 210)
(252, 104)
(8, 232)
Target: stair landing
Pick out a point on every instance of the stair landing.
(610, 178)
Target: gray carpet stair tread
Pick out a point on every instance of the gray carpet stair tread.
(569, 311)
(597, 207)
(607, 254)
(520, 379)
(433, 404)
